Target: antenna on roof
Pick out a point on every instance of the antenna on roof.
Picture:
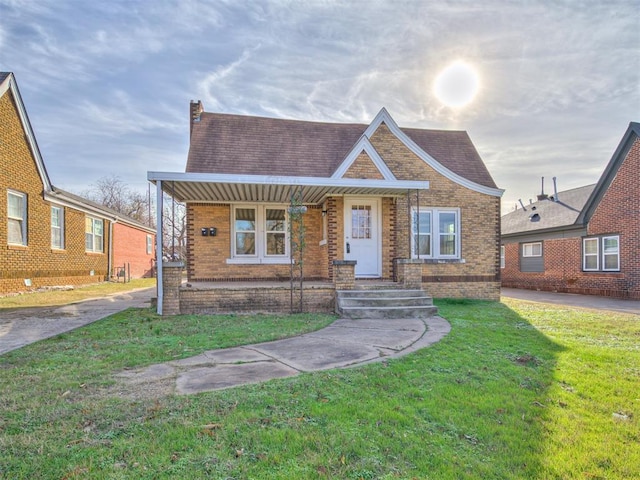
(555, 190)
(521, 204)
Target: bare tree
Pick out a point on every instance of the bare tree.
(112, 192)
(174, 230)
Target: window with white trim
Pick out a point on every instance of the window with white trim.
(149, 244)
(611, 254)
(94, 235)
(435, 233)
(502, 257)
(57, 228)
(601, 254)
(532, 249)
(16, 218)
(591, 254)
(259, 234)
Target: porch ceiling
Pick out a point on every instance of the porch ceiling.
(199, 187)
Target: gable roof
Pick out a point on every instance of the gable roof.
(52, 193)
(552, 215)
(628, 139)
(8, 84)
(575, 207)
(237, 144)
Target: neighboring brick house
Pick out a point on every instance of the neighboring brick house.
(585, 240)
(365, 187)
(50, 237)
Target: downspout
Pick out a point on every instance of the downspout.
(110, 253)
(159, 234)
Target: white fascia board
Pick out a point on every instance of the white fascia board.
(364, 145)
(10, 84)
(384, 117)
(59, 199)
(286, 180)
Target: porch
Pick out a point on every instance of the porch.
(181, 297)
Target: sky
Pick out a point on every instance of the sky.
(107, 84)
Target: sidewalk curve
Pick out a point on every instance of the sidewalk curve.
(344, 343)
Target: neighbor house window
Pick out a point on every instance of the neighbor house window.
(17, 218)
(601, 254)
(57, 228)
(532, 249)
(591, 254)
(149, 244)
(94, 235)
(531, 257)
(435, 233)
(502, 259)
(260, 234)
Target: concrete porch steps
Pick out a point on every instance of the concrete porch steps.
(384, 303)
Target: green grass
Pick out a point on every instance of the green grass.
(516, 390)
(58, 297)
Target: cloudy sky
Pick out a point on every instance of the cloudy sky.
(107, 84)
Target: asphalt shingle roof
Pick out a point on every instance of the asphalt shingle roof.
(551, 214)
(237, 144)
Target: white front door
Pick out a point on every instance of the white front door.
(362, 235)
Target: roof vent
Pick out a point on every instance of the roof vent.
(543, 196)
(535, 217)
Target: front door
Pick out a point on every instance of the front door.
(362, 236)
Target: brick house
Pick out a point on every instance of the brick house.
(584, 240)
(48, 236)
(377, 199)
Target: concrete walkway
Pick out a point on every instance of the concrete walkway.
(574, 300)
(22, 326)
(344, 343)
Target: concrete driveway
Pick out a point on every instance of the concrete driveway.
(573, 300)
(22, 326)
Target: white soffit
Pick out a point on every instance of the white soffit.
(204, 187)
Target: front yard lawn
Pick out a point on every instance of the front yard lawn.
(516, 390)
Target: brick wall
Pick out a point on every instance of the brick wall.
(255, 299)
(38, 261)
(130, 249)
(618, 213)
(479, 219)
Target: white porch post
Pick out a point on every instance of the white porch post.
(159, 235)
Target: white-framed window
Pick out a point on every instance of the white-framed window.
(611, 253)
(502, 258)
(260, 234)
(601, 254)
(16, 218)
(435, 233)
(532, 249)
(591, 254)
(94, 235)
(149, 244)
(57, 228)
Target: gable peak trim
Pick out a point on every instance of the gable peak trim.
(363, 145)
(383, 116)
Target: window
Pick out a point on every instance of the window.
(435, 233)
(502, 258)
(260, 234)
(94, 235)
(610, 254)
(57, 228)
(17, 218)
(149, 244)
(532, 249)
(601, 254)
(590, 254)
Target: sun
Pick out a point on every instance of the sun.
(456, 85)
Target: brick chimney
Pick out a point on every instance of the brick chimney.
(196, 109)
